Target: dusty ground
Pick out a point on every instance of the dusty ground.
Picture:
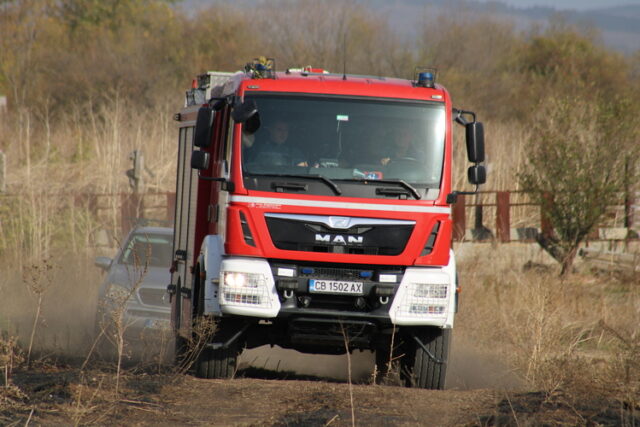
(262, 395)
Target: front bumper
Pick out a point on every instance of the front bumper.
(145, 309)
(390, 295)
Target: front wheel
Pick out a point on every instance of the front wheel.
(220, 362)
(217, 363)
(426, 367)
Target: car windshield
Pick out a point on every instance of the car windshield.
(346, 139)
(153, 250)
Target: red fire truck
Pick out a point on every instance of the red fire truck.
(313, 213)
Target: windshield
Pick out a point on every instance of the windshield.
(153, 250)
(345, 140)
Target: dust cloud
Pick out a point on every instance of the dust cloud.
(472, 367)
(469, 367)
(318, 365)
(65, 330)
(69, 289)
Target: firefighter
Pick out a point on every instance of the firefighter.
(403, 148)
(275, 151)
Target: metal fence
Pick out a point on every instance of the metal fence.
(507, 216)
(502, 216)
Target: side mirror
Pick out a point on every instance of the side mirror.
(200, 160)
(477, 174)
(475, 142)
(252, 124)
(244, 111)
(103, 262)
(204, 123)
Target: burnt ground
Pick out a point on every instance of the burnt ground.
(62, 395)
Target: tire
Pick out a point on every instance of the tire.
(382, 364)
(419, 369)
(218, 363)
(210, 363)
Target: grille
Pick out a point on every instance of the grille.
(294, 235)
(150, 296)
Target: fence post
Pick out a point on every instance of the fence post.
(629, 203)
(3, 172)
(130, 211)
(545, 223)
(503, 217)
(459, 218)
(171, 206)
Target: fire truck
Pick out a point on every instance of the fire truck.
(313, 212)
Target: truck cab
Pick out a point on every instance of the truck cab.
(313, 213)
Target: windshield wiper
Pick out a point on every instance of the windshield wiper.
(326, 180)
(400, 182)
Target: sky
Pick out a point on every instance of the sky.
(570, 4)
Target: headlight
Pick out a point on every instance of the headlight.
(429, 290)
(233, 279)
(426, 299)
(424, 296)
(247, 288)
(241, 288)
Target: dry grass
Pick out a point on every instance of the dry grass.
(50, 166)
(576, 338)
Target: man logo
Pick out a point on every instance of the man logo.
(337, 239)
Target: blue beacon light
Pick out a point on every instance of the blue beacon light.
(426, 79)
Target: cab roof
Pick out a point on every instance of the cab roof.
(339, 84)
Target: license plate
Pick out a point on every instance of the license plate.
(335, 287)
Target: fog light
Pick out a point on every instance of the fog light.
(388, 278)
(427, 309)
(287, 272)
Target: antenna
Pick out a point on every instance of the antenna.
(344, 55)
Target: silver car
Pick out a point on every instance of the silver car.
(134, 292)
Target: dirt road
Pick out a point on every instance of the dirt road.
(267, 392)
(64, 397)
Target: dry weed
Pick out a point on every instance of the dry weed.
(38, 279)
(345, 338)
(10, 357)
(576, 340)
(188, 351)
